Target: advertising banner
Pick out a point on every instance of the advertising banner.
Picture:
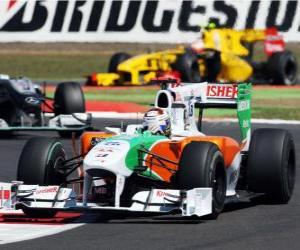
(167, 21)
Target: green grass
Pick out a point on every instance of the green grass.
(52, 67)
(142, 96)
(70, 61)
(277, 94)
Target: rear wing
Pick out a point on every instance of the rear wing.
(219, 96)
(209, 95)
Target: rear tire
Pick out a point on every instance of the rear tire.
(40, 163)
(212, 64)
(271, 165)
(115, 60)
(69, 99)
(188, 67)
(282, 68)
(202, 165)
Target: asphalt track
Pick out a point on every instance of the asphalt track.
(242, 226)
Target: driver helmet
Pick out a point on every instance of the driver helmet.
(157, 121)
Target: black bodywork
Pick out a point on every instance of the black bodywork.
(22, 104)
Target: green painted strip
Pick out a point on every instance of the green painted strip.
(244, 109)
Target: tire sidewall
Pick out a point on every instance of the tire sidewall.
(199, 163)
(37, 162)
(55, 158)
(188, 67)
(115, 60)
(271, 164)
(277, 64)
(218, 201)
(288, 181)
(69, 98)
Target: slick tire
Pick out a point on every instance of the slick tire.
(115, 60)
(188, 67)
(213, 64)
(271, 164)
(41, 163)
(202, 165)
(68, 99)
(282, 68)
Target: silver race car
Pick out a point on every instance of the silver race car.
(23, 107)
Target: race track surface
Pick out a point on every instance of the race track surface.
(242, 226)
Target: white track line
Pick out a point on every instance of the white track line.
(14, 232)
(10, 233)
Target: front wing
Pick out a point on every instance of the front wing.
(72, 122)
(197, 201)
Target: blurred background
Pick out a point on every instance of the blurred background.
(57, 41)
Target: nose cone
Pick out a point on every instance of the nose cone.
(108, 155)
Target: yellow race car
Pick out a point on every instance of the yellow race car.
(140, 69)
(220, 54)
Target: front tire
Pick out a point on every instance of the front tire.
(202, 165)
(188, 67)
(41, 163)
(271, 165)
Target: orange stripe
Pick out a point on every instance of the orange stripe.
(172, 150)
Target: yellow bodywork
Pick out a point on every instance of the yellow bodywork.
(107, 79)
(141, 68)
(234, 68)
(229, 42)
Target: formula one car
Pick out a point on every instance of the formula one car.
(23, 107)
(138, 171)
(220, 54)
(141, 69)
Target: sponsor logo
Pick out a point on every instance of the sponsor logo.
(32, 100)
(99, 190)
(222, 91)
(5, 194)
(160, 193)
(112, 143)
(243, 105)
(174, 20)
(101, 155)
(246, 124)
(95, 140)
(47, 190)
(108, 150)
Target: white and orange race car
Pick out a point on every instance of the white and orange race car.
(137, 171)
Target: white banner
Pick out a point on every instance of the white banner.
(169, 21)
